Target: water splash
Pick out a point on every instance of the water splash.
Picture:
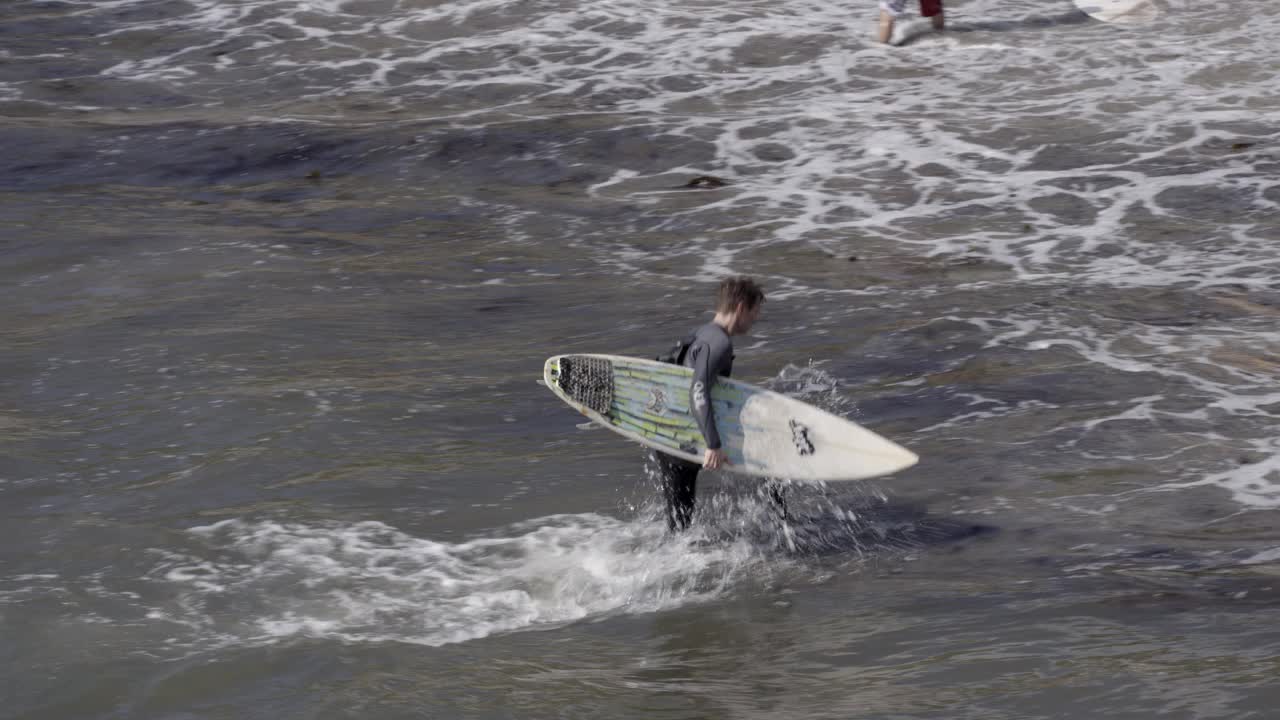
(263, 582)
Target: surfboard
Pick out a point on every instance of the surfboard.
(763, 433)
(1120, 11)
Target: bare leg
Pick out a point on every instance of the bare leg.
(885, 31)
(939, 23)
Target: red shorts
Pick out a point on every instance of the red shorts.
(928, 8)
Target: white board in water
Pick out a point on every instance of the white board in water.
(1120, 11)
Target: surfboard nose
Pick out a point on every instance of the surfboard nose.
(907, 458)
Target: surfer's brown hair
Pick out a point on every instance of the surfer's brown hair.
(738, 290)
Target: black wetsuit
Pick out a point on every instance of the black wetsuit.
(711, 356)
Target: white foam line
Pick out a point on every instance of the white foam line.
(369, 583)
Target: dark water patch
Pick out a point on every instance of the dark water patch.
(32, 30)
(1011, 377)
(323, 245)
(840, 526)
(142, 12)
(1168, 596)
(1158, 306)
(933, 169)
(469, 59)
(49, 69)
(347, 219)
(1175, 578)
(1066, 209)
(891, 412)
(968, 219)
(681, 84)
(38, 154)
(1034, 22)
(36, 253)
(271, 155)
(106, 92)
(1096, 150)
(1216, 204)
(1179, 161)
(776, 51)
(22, 8)
(1219, 145)
(28, 111)
(1272, 194)
(1088, 183)
(1173, 232)
(285, 195)
(76, 156)
(705, 182)
(138, 318)
(952, 269)
(183, 154)
(914, 351)
(294, 165)
(550, 153)
(329, 205)
(447, 98)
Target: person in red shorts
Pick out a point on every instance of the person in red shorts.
(891, 9)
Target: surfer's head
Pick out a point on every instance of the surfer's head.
(738, 304)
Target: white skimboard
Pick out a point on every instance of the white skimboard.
(1120, 11)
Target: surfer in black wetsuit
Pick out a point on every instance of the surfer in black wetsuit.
(710, 354)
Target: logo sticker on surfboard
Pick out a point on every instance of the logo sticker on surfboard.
(657, 401)
(800, 438)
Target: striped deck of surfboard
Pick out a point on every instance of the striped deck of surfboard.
(762, 432)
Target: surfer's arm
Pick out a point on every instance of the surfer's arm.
(700, 394)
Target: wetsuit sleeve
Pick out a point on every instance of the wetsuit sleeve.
(704, 375)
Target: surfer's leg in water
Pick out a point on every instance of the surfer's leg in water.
(679, 489)
(884, 32)
(891, 9)
(932, 9)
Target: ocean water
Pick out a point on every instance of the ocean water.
(281, 275)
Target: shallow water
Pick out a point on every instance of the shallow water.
(283, 274)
